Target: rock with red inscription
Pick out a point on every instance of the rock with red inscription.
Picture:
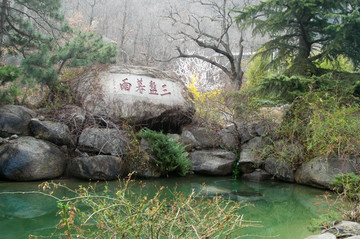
(139, 94)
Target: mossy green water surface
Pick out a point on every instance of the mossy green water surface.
(284, 210)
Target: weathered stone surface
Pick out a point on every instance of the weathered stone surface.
(213, 162)
(100, 167)
(27, 158)
(320, 172)
(142, 95)
(249, 161)
(257, 175)
(207, 138)
(326, 235)
(347, 228)
(104, 141)
(73, 116)
(145, 165)
(14, 119)
(189, 141)
(230, 138)
(280, 169)
(54, 132)
(244, 131)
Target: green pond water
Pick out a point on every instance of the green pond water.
(283, 209)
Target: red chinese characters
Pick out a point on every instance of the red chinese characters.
(153, 90)
(165, 91)
(125, 85)
(141, 87)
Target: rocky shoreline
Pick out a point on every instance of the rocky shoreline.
(36, 148)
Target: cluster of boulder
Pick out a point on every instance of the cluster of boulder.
(87, 141)
(34, 148)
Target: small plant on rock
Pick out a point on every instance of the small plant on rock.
(169, 154)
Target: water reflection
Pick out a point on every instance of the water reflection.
(284, 209)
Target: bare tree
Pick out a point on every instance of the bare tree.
(210, 26)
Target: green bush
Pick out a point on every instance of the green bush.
(325, 124)
(170, 155)
(284, 89)
(9, 74)
(334, 130)
(344, 205)
(9, 88)
(348, 186)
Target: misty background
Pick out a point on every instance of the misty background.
(154, 32)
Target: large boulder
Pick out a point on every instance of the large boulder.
(14, 119)
(249, 159)
(347, 228)
(55, 132)
(103, 141)
(243, 131)
(27, 158)
(350, 230)
(100, 167)
(213, 162)
(320, 172)
(189, 141)
(139, 94)
(280, 169)
(230, 138)
(203, 138)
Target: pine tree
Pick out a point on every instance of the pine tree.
(26, 24)
(303, 31)
(36, 30)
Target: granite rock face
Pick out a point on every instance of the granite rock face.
(55, 132)
(202, 138)
(248, 161)
(280, 169)
(320, 172)
(213, 162)
(15, 119)
(27, 159)
(141, 95)
(100, 167)
(103, 141)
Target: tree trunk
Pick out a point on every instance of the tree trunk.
(239, 71)
(2, 28)
(304, 45)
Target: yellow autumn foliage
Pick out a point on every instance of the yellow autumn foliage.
(208, 104)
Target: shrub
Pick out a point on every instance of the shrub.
(284, 89)
(123, 214)
(334, 131)
(9, 89)
(209, 105)
(256, 69)
(344, 205)
(348, 186)
(340, 64)
(169, 154)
